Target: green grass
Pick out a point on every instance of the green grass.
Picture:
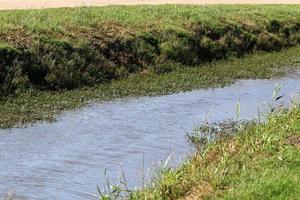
(67, 48)
(37, 105)
(132, 17)
(262, 161)
(58, 59)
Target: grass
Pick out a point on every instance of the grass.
(134, 17)
(68, 48)
(261, 161)
(35, 105)
(58, 59)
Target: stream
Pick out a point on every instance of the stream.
(67, 159)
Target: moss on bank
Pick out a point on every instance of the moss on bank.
(261, 162)
(56, 49)
(35, 105)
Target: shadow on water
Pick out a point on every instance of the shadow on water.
(67, 159)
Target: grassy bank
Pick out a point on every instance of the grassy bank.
(262, 161)
(55, 49)
(57, 59)
(35, 105)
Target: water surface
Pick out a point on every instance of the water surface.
(66, 159)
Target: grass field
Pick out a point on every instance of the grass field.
(145, 17)
(32, 4)
(69, 48)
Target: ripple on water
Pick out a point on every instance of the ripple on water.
(66, 159)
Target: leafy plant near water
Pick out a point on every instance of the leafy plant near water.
(208, 133)
(273, 106)
(122, 191)
(111, 191)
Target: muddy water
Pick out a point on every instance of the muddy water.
(67, 159)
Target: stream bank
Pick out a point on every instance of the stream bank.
(67, 159)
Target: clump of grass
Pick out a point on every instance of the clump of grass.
(241, 166)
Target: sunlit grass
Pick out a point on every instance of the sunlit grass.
(60, 59)
(262, 161)
(162, 16)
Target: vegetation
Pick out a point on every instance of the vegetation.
(35, 105)
(57, 59)
(257, 161)
(54, 49)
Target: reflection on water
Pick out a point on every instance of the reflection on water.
(66, 159)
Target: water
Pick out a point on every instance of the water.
(67, 159)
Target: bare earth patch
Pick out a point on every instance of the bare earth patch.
(294, 140)
(27, 4)
(200, 192)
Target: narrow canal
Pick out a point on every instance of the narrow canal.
(67, 159)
